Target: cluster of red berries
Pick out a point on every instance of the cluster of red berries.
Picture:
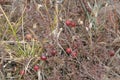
(53, 52)
(72, 53)
(44, 57)
(70, 23)
(36, 68)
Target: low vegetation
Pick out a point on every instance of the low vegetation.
(59, 40)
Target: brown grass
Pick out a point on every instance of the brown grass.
(95, 35)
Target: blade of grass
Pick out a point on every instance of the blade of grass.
(14, 33)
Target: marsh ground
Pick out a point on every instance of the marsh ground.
(59, 40)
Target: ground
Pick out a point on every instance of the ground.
(59, 40)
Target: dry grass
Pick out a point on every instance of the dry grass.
(31, 29)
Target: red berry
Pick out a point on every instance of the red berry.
(68, 50)
(73, 24)
(43, 57)
(111, 53)
(36, 67)
(74, 54)
(68, 22)
(22, 72)
(53, 52)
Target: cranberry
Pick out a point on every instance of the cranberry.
(36, 67)
(43, 57)
(22, 72)
(53, 52)
(111, 53)
(73, 24)
(68, 22)
(74, 54)
(68, 50)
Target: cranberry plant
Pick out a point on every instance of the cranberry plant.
(59, 40)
